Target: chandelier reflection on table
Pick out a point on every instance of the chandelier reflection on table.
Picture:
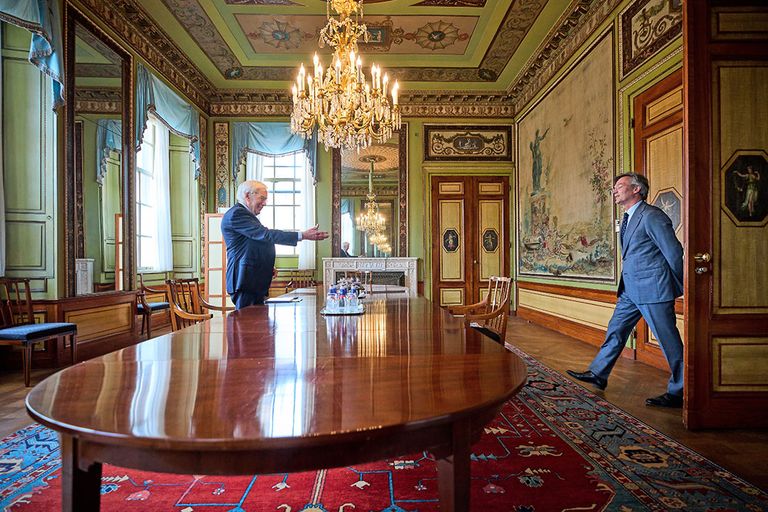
(346, 110)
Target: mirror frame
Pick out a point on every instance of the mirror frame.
(402, 196)
(73, 221)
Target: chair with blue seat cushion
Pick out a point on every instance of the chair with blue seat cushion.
(146, 309)
(18, 325)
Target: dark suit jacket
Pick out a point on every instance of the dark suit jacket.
(251, 250)
(344, 254)
(652, 258)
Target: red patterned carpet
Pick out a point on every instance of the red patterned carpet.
(555, 447)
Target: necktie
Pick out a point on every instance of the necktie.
(623, 227)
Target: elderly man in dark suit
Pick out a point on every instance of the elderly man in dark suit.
(251, 246)
(651, 279)
(344, 253)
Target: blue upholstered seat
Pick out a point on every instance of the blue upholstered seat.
(36, 331)
(153, 306)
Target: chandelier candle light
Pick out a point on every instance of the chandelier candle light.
(347, 111)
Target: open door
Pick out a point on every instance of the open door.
(725, 89)
(658, 134)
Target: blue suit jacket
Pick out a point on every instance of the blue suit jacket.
(652, 258)
(251, 250)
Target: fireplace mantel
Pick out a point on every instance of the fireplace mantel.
(406, 266)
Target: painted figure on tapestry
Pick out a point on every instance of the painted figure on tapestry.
(538, 166)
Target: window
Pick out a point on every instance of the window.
(153, 222)
(285, 178)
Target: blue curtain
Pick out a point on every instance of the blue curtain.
(270, 139)
(152, 95)
(43, 19)
(108, 138)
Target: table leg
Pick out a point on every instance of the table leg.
(453, 471)
(80, 489)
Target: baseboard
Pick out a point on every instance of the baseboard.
(581, 332)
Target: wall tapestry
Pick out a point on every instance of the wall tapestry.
(467, 143)
(646, 26)
(565, 169)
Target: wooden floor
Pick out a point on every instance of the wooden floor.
(743, 452)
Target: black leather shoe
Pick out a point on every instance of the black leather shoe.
(665, 400)
(590, 377)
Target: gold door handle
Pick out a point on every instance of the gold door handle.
(702, 257)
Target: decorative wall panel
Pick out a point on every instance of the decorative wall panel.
(740, 224)
(647, 26)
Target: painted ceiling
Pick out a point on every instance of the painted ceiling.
(428, 45)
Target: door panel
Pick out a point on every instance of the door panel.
(451, 222)
(659, 156)
(469, 236)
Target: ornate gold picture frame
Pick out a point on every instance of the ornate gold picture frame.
(443, 143)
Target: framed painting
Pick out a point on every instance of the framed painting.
(565, 171)
(646, 26)
(442, 143)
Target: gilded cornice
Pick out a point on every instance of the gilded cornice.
(571, 31)
(129, 20)
(432, 104)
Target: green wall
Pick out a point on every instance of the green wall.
(29, 165)
(185, 211)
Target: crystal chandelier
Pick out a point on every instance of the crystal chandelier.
(346, 110)
(371, 221)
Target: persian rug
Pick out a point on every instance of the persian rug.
(554, 447)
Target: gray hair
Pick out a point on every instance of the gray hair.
(249, 186)
(636, 180)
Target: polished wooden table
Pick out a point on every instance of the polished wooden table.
(282, 388)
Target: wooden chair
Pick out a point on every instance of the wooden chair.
(18, 323)
(145, 308)
(187, 303)
(301, 279)
(490, 315)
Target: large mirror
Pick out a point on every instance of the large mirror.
(98, 159)
(380, 171)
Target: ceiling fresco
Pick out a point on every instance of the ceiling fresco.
(355, 165)
(438, 43)
(453, 58)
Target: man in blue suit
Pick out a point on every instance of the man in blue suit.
(251, 246)
(651, 279)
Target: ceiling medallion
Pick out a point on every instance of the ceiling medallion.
(347, 111)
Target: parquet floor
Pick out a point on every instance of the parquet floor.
(744, 452)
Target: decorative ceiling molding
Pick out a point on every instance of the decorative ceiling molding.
(568, 35)
(129, 20)
(97, 100)
(518, 20)
(456, 104)
(427, 104)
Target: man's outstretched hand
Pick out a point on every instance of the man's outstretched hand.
(314, 234)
